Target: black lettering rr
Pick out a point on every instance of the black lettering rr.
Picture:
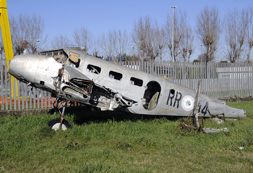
(177, 99)
(170, 98)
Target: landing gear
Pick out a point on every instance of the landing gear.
(56, 123)
(59, 123)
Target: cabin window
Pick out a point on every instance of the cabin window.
(60, 52)
(94, 69)
(49, 54)
(136, 81)
(151, 95)
(55, 52)
(115, 75)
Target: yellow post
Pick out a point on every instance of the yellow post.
(6, 35)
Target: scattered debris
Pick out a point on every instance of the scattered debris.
(192, 125)
(210, 130)
(219, 121)
(241, 148)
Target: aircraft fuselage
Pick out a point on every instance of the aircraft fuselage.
(109, 86)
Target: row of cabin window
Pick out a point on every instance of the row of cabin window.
(114, 75)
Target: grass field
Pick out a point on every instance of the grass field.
(115, 142)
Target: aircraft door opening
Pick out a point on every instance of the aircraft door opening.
(151, 95)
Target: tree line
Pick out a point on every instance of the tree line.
(232, 34)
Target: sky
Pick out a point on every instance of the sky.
(100, 16)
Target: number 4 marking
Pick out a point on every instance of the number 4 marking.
(205, 109)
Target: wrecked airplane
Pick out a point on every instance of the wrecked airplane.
(85, 79)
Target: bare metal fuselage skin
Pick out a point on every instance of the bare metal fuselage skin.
(109, 86)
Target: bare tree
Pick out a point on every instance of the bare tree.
(250, 33)
(236, 24)
(36, 37)
(139, 37)
(114, 43)
(83, 39)
(208, 30)
(107, 43)
(61, 42)
(26, 29)
(187, 44)
(150, 41)
(143, 37)
(183, 37)
(159, 41)
(19, 33)
(202, 57)
(178, 33)
(122, 42)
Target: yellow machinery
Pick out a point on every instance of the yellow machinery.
(6, 35)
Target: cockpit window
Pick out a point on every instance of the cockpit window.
(75, 61)
(136, 81)
(94, 69)
(115, 75)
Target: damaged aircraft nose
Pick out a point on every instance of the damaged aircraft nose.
(35, 69)
(16, 66)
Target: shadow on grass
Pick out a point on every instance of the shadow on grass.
(87, 114)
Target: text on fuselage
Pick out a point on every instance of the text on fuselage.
(174, 98)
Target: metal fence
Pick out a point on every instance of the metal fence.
(219, 80)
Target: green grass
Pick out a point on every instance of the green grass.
(115, 142)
